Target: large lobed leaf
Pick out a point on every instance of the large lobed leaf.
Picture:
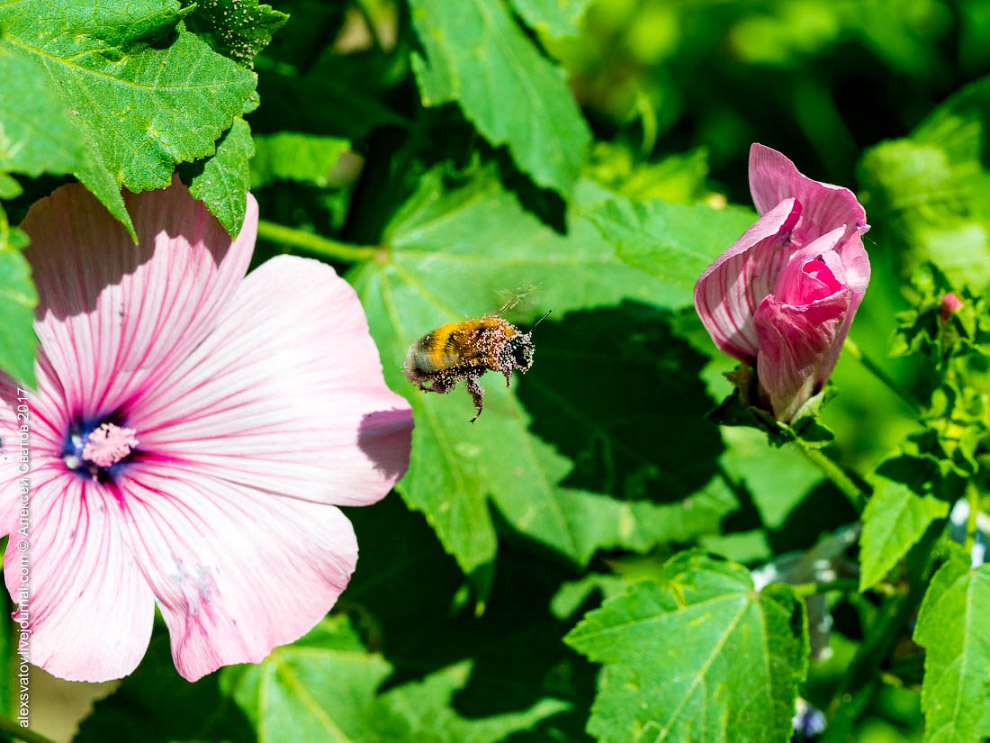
(952, 627)
(476, 55)
(671, 241)
(127, 88)
(324, 687)
(698, 657)
(451, 254)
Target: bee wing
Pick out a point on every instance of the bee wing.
(511, 298)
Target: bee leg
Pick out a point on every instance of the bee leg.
(443, 384)
(477, 394)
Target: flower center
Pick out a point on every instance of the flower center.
(100, 449)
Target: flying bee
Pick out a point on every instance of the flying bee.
(466, 350)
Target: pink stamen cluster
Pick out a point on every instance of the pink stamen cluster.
(108, 444)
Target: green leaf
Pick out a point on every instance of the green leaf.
(555, 18)
(37, 133)
(673, 242)
(478, 56)
(323, 687)
(222, 181)
(746, 547)
(931, 188)
(305, 158)
(143, 92)
(9, 187)
(779, 479)
(437, 266)
(699, 656)
(952, 627)
(238, 29)
(18, 299)
(156, 704)
(573, 594)
(679, 178)
(894, 519)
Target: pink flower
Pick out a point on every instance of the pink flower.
(782, 297)
(191, 438)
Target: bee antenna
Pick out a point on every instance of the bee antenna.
(542, 318)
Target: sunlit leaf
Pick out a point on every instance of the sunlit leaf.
(18, 299)
(222, 181)
(143, 93)
(323, 687)
(304, 158)
(477, 56)
(238, 29)
(895, 518)
(556, 18)
(698, 657)
(673, 242)
(931, 188)
(952, 628)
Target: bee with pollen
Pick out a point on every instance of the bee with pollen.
(466, 350)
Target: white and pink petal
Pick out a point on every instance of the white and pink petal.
(795, 344)
(113, 315)
(90, 610)
(235, 571)
(286, 394)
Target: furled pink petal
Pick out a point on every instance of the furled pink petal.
(773, 178)
(235, 571)
(729, 291)
(286, 394)
(91, 610)
(114, 315)
(856, 267)
(813, 272)
(799, 326)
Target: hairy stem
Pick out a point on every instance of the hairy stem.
(844, 585)
(836, 474)
(871, 366)
(307, 241)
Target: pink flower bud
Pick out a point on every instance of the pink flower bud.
(782, 297)
(951, 303)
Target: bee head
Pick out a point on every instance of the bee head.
(521, 348)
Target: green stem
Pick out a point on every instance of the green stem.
(862, 675)
(835, 473)
(13, 731)
(973, 499)
(814, 589)
(871, 366)
(322, 246)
